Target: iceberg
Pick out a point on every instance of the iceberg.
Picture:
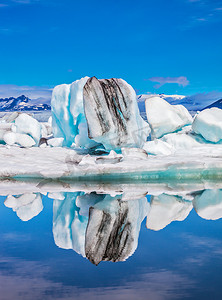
(208, 123)
(90, 112)
(164, 118)
(112, 114)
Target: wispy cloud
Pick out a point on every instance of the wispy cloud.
(203, 12)
(33, 92)
(34, 280)
(181, 81)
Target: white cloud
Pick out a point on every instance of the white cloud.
(181, 80)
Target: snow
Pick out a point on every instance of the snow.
(164, 118)
(208, 123)
(165, 209)
(208, 205)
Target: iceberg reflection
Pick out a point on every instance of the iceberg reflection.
(165, 209)
(99, 227)
(26, 206)
(106, 227)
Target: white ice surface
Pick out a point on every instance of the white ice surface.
(208, 123)
(164, 118)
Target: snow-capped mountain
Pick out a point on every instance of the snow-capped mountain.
(23, 103)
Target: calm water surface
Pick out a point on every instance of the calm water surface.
(95, 246)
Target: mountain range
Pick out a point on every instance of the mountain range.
(192, 103)
(23, 103)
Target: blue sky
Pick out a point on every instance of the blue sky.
(157, 46)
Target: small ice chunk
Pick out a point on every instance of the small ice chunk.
(23, 140)
(27, 125)
(208, 123)
(55, 142)
(158, 147)
(165, 118)
(208, 205)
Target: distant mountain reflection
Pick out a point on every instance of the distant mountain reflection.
(104, 227)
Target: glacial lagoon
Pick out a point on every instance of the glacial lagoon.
(110, 240)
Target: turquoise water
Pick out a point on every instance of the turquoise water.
(183, 260)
